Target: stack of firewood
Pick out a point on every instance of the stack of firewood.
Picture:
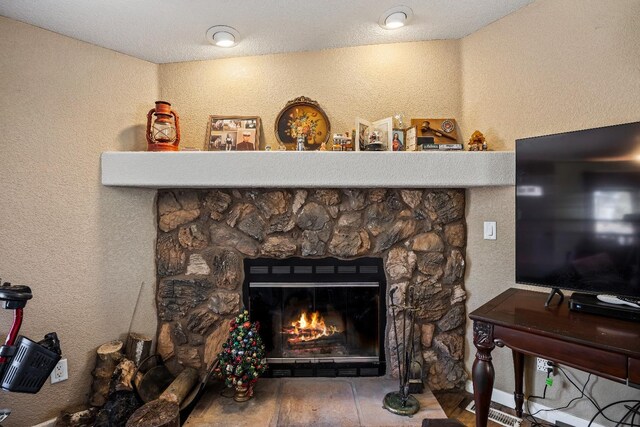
(114, 399)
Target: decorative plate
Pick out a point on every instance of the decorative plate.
(448, 126)
(302, 116)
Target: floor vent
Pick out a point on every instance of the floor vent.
(498, 416)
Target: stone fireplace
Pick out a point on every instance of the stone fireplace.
(205, 237)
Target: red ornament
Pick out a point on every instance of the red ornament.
(247, 325)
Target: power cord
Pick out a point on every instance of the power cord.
(631, 410)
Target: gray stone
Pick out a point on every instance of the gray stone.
(223, 236)
(170, 257)
(224, 302)
(201, 320)
(193, 237)
(446, 374)
(378, 218)
(171, 221)
(400, 230)
(413, 198)
(426, 335)
(350, 219)
(452, 319)
(354, 200)
(400, 263)
(252, 224)
(455, 234)
(327, 197)
(196, 340)
(298, 200)
(279, 247)
(179, 337)
(237, 212)
(197, 266)
(333, 211)
(312, 217)
(177, 296)
(445, 206)
(217, 201)
(349, 242)
(273, 203)
(454, 269)
(312, 244)
(393, 202)
(427, 242)
(226, 269)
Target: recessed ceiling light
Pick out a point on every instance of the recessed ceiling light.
(223, 36)
(395, 17)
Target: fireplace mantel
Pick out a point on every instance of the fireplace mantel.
(188, 169)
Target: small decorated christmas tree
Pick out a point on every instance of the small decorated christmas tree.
(242, 356)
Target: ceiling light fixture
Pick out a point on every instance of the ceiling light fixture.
(395, 17)
(223, 36)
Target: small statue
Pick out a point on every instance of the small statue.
(477, 142)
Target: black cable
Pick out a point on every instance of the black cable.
(601, 412)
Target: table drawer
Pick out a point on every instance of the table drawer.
(600, 362)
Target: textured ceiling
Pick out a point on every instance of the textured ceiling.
(164, 31)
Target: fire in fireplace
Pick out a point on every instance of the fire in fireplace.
(319, 317)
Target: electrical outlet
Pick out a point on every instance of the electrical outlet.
(543, 365)
(60, 372)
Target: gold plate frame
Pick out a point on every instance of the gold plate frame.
(302, 115)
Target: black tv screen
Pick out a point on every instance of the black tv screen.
(578, 210)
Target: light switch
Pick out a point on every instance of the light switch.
(489, 230)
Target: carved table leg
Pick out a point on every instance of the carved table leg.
(518, 367)
(483, 374)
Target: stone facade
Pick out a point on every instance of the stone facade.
(204, 235)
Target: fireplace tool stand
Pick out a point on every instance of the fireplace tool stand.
(401, 402)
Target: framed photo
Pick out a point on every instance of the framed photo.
(443, 131)
(373, 136)
(233, 133)
(302, 117)
(397, 140)
(411, 142)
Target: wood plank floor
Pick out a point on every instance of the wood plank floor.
(454, 403)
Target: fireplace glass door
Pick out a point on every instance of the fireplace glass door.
(318, 321)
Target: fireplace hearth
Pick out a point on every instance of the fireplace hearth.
(316, 324)
(319, 317)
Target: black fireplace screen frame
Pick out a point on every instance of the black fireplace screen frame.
(323, 271)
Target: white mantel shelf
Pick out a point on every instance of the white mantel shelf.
(269, 169)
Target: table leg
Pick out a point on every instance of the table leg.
(518, 367)
(483, 373)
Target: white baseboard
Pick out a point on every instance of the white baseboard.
(506, 399)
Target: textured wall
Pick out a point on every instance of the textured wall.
(550, 67)
(371, 82)
(83, 248)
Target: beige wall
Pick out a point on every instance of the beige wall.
(84, 249)
(550, 67)
(371, 82)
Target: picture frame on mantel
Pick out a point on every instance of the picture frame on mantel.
(232, 133)
(302, 116)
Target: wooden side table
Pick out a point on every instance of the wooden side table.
(519, 320)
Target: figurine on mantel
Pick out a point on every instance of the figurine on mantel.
(477, 142)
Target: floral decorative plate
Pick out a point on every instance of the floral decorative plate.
(302, 116)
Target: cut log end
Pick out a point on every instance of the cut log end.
(157, 413)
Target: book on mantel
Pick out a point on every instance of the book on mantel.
(441, 147)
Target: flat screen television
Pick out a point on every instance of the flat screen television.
(578, 210)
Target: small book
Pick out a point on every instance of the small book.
(441, 147)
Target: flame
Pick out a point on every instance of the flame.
(309, 327)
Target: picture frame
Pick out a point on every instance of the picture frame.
(303, 116)
(411, 141)
(443, 131)
(398, 135)
(232, 133)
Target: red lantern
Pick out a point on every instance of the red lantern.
(163, 132)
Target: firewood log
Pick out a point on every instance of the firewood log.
(107, 358)
(122, 377)
(138, 347)
(181, 386)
